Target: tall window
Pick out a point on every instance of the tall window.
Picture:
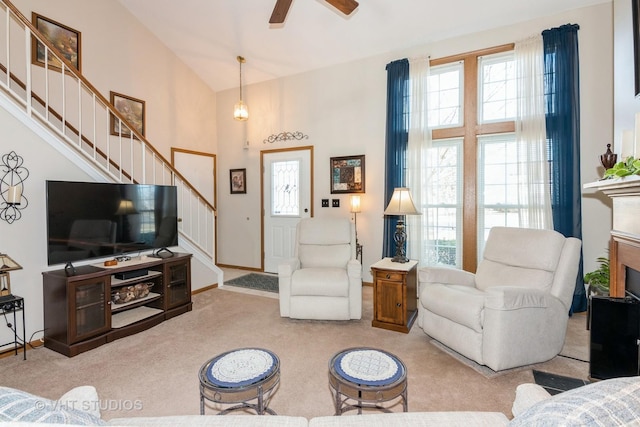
(472, 107)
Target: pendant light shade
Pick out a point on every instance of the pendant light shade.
(240, 110)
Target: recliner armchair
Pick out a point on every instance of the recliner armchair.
(514, 310)
(324, 279)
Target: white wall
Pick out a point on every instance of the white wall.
(343, 109)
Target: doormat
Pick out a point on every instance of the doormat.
(555, 384)
(258, 282)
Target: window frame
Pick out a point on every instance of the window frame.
(469, 131)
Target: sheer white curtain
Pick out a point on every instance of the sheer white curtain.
(419, 141)
(533, 173)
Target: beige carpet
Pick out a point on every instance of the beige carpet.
(157, 369)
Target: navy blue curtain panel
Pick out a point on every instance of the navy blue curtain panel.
(562, 98)
(396, 143)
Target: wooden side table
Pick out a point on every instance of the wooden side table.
(395, 301)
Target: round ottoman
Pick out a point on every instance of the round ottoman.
(365, 377)
(238, 377)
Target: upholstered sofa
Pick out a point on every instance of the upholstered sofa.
(614, 402)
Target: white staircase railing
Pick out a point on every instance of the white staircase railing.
(61, 99)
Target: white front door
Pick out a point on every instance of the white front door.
(287, 192)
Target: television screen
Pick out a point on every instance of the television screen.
(88, 220)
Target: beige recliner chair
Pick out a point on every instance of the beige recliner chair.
(514, 310)
(324, 279)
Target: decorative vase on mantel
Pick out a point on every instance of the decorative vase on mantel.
(608, 159)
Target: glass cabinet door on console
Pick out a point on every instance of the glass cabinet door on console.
(89, 308)
(178, 283)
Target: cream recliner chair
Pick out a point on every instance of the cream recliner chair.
(514, 310)
(324, 279)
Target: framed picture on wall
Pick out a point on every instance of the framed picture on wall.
(133, 111)
(636, 44)
(66, 40)
(347, 174)
(237, 181)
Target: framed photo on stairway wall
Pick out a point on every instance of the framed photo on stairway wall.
(133, 111)
(65, 39)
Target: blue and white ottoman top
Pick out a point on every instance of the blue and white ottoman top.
(239, 368)
(368, 367)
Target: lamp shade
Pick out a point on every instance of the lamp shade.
(401, 203)
(7, 264)
(240, 111)
(126, 208)
(354, 206)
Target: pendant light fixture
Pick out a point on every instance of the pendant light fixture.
(240, 110)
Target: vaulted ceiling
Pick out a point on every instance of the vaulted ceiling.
(208, 34)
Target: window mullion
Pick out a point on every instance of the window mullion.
(470, 165)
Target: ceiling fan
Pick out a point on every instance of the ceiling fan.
(282, 7)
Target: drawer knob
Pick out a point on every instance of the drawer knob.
(399, 304)
(388, 276)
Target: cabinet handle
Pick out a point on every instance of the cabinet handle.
(398, 304)
(388, 276)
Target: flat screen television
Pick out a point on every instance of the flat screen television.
(87, 220)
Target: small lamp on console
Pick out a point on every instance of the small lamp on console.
(6, 265)
(401, 204)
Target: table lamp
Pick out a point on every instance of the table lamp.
(6, 265)
(401, 204)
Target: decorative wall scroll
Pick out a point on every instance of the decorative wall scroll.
(347, 174)
(285, 136)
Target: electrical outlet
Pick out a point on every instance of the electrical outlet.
(335, 203)
(325, 203)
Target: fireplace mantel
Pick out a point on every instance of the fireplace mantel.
(624, 246)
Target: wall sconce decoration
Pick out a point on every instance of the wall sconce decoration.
(240, 110)
(12, 187)
(285, 136)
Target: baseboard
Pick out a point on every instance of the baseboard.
(33, 345)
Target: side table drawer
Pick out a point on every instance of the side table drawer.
(389, 275)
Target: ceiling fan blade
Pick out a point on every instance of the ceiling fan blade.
(344, 6)
(280, 11)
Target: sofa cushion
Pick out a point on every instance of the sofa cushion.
(507, 261)
(313, 256)
(414, 419)
(326, 282)
(17, 405)
(461, 304)
(212, 420)
(613, 402)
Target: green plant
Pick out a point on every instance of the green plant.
(628, 167)
(598, 280)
